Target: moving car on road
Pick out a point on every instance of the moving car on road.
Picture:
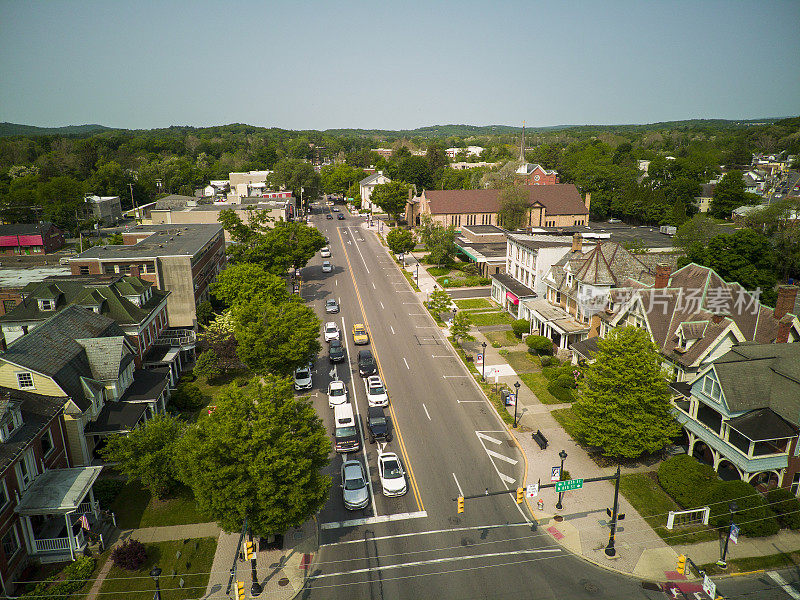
(360, 335)
(340, 216)
(327, 267)
(331, 306)
(302, 379)
(366, 363)
(337, 393)
(391, 474)
(331, 331)
(376, 392)
(355, 492)
(329, 216)
(378, 425)
(325, 252)
(346, 436)
(336, 351)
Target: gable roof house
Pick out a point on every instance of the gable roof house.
(86, 359)
(558, 205)
(740, 413)
(536, 174)
(30, 238)
(136, 305)
(365, 188)
(577, 287)
(694, 316)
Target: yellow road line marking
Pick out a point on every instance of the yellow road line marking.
(403, 450)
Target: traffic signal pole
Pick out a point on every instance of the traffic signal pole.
(236, 557)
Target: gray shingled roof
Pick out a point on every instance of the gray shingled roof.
(37, 412)
(105, 356)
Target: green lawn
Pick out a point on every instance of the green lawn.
(538, 385)
(491, 318)
(469, 303)
(755, 563)
(196, 556)
(502, 338)
(653, 503)
(521, 361)
(566, 418)
(135, 508)
(462, 281)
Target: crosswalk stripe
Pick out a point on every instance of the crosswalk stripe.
(510, 461)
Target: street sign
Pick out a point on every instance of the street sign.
(479, 359)
(735, 533)
(569, 484)
(532, 490)
(555, 474)
(709, 587)
(512, 399)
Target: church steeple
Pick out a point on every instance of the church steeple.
(522, 144)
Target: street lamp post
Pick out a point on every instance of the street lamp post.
(155, 573)
(732, 507)
(483, 362)
(516, 402)
(255, 588)
(563, 456)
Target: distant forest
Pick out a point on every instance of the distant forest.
(44, 172)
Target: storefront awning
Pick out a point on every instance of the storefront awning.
(58, 491)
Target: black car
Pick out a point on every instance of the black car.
(366, 363)
(336, 351)
(379, 425)
(329, 216)
(340, 216)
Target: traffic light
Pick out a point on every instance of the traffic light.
(461, 504)
(239, 590)
(249, 551)
(520, 495)
(681, 564)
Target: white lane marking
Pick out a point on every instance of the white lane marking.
(471, 401)
(510, 461)
(373, 286)
(442, 356)
(426, 327)
(405, 361)
(381, 303)
(358, 416)
(505, 477)
(432, 561)
(426, 412)
(361, 255)
(430, 532)
(453, 376)
(336, 282)
(373, 520)
(488, 438)
(410, 303)
(392, 328)
(785, 585)
(416, 314)
(458, 485)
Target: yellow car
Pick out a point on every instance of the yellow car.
(360, 335)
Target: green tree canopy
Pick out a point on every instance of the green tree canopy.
(624, 405)
(244, 281)
(259, 455)
(729, 195)
(442, 244)
(391, 197)
(400, 240)
(337, 179)
(148, 453)
(460, 327)
(296, 175)
(514, 206)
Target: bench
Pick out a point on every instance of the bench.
(539, 438)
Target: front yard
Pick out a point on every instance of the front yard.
(135, 507)
(472, 303)
(490, 318)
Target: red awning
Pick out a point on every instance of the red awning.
(30, 240)
(512, 297)
(8, 240)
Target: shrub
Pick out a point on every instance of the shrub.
(546, 361)
(566, 381)
(786, 506)
(538, 344)
(188, 396)
(560, 393)
(73, 578)
(207, 366)
(520, 327)
(106, 491)
(242, 380)
(686, 480)
(753, 517)
(469, 268)
(130, 555)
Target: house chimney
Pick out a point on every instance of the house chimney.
(787, 295)
(134, 270)
(577, 242)
(784, 327)
(588, 200)
(662, 275)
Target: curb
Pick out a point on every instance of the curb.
(312, 562)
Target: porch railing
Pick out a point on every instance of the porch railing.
(178, 338)
(88, 507)
(58, 544)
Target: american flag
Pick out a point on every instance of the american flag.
(84, 522)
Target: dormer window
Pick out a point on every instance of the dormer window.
(25, 381)
(47, 304)
(12, 423)
(569, 278)
(137, 300)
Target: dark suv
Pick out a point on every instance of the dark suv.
(336, 351)
(366, 363)
(379, 425)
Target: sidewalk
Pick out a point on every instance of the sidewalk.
(584, 529)
(279, 571)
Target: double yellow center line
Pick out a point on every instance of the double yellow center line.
(409, 469)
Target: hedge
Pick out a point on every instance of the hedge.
(72, 578)
(754, 518)
(188, 396)
(560, 393)
(538, 344)
(686, 480)
(784, 504)
(520, 327)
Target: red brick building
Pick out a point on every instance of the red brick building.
(535, 174)
(30, 238)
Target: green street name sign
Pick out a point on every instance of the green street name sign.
(569, 484)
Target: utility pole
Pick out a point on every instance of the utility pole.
(256, 588)
(610, 550)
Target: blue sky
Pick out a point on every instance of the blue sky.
(392, 65)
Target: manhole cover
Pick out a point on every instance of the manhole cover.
(558, 518)
(283, 581)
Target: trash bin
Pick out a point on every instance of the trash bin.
(505, 396)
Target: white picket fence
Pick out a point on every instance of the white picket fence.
(683, 518)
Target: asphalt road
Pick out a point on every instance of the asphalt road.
(450, 441)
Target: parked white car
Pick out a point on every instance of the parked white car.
(337, 393)
(376, 392)
(302, 379)
(392, 476)
(325, 252)
(331, 331)
(327, 267)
